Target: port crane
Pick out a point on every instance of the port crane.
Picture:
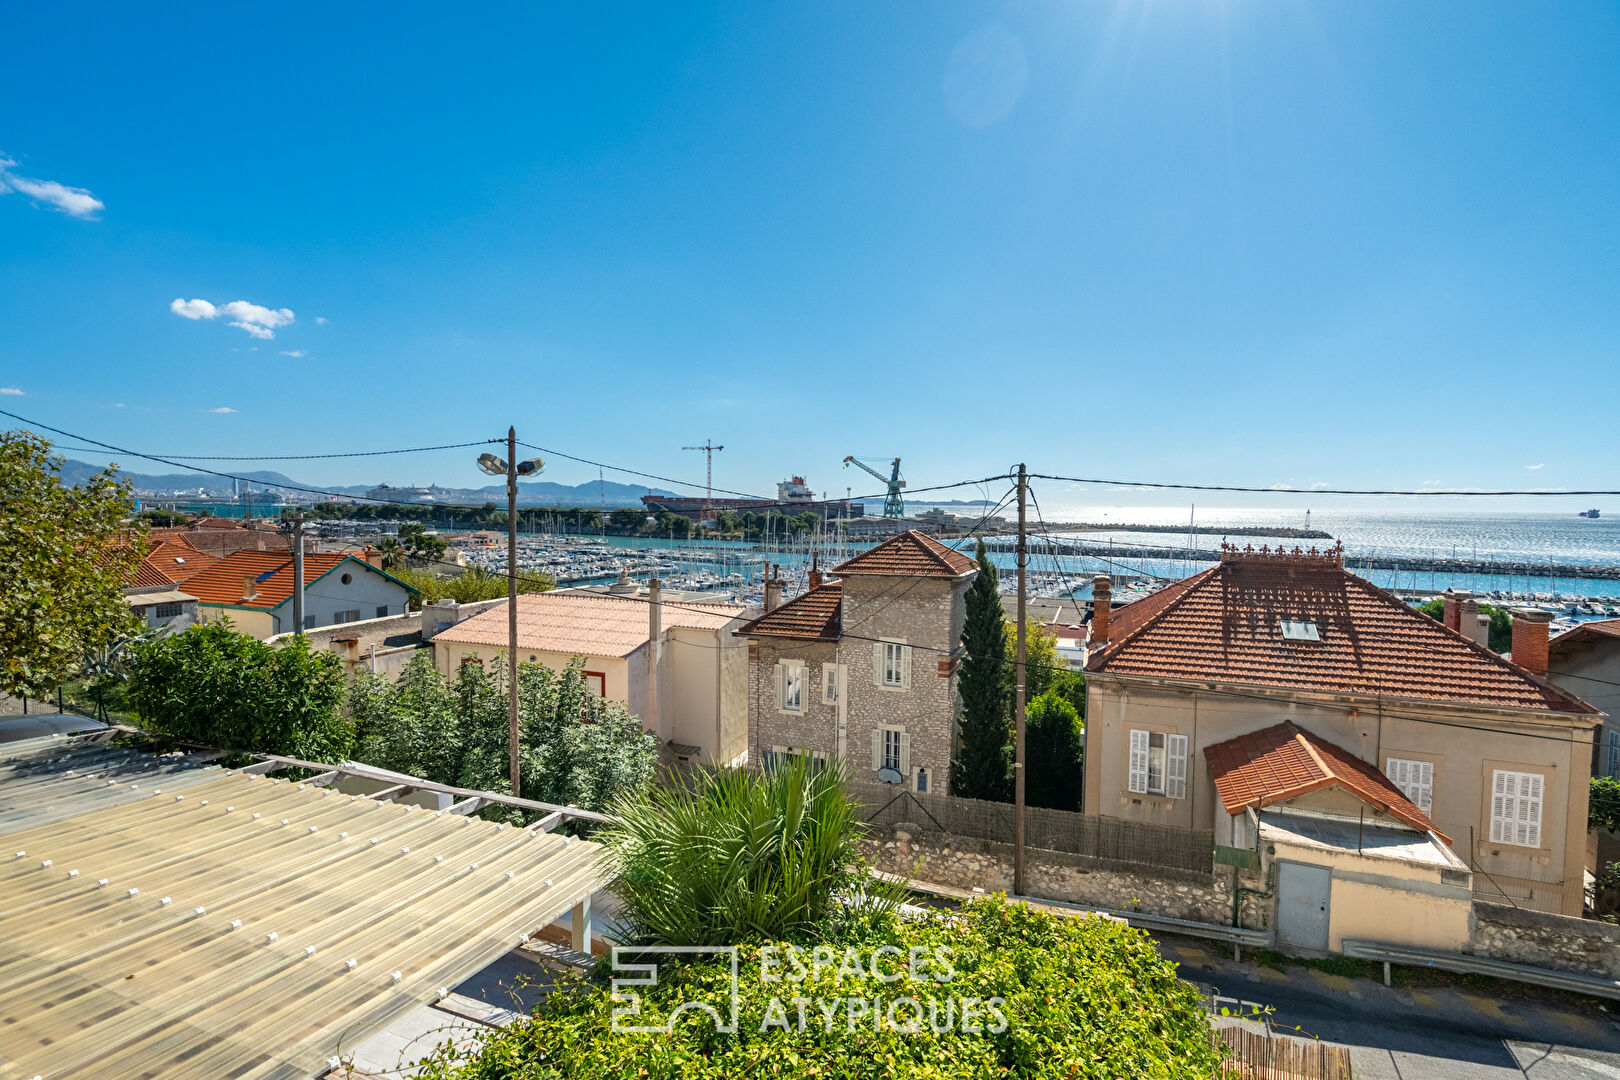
(894, 506)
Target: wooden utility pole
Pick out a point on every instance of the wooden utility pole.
(511, 604)
(1018, 695)
(298, 573)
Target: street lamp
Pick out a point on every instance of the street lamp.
(511, 468)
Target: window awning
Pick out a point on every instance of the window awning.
(163, 917)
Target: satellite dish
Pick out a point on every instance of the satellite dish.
(491, 464)
(891, 776)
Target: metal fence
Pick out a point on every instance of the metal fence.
(1532, 894)
(1052, 830)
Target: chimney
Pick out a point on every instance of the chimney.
(1102, 605)
(1468, 622)
(815, 572)
(250, 588)
(1482, 631)
(1453, 609)
(773, 588)
(655, 644)
(1530, 639)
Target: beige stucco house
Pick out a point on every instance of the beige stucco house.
(677, 666)
(864, 667)
(1495, 757)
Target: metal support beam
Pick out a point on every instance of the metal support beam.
(388, 794)
(581, 926)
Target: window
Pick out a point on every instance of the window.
(773, 757)
(346, 578)
(352, 615)
(1516, 808)
(1414, 778)
(790, 686)
(891, 665)
(1613, 764)
(309, 622)
(597, 681)
(893, 660)
(382, 611)
(1299, 630)
(829, 684)
(166, 611)
(922, 781)
(891, 749)
(1158, 764)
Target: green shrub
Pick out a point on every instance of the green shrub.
(1603, 805)
(729, 856)
(1053, 747)
(1056, 997)
(214, 686)
(468, 587)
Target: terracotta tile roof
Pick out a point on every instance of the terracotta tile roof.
(178, 559)
(1283, 762)
(911, 554)
(1586, 631)
(591, 624)
(1224, 625)
(815, 614)
(270, 571)
(147, 576)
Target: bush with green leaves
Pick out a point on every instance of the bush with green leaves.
(732, 855)
(1050, 996)
(215, 686)
(1603, 805)
(468, 587)
(576, 748)
(1054, 748)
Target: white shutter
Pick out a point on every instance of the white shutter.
(1175, 785)
(1415, 779)
(1614, 753)
(781, 685)
(1516, 808)
(905, 754)
(1139, 762)
(905, 667)
(877, 749)
(877, 663)
(829, 684)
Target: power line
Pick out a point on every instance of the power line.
(302, 457)
(1453, 492)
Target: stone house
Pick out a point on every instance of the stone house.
(1375, 709)
(864, 667)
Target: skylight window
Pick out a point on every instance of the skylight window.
(1299, 630)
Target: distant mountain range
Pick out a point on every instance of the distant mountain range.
(544, 493)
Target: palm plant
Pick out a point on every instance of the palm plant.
(731, 855)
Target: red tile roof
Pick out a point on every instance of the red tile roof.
(1586, 631)
(1284, 762)
(1224, 625)
(147, 576)
(910, 554)
(270, 571)
(816, 614)
(178, 559)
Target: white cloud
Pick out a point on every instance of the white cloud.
(320, 320)
(257, 320)
(12, 390)
(193, 309)
(76, 202)
(296, 354)
(222, 409)
(1543, 465)
(1319, 484)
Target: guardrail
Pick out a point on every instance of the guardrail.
(1411, 956)
(1236, 936)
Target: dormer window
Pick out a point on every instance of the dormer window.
(1299, 630)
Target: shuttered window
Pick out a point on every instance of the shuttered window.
(1414, 778)
(1516, 808)
(1138, 779)
(790, 686)
(1614, 753)
(1158, 764)
(1175, 784)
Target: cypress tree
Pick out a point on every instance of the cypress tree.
(984, 769)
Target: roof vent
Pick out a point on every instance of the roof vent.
(1299, 630)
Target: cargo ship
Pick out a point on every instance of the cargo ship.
(793, 496)
(1589, 514)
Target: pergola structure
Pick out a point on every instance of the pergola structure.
(163, 916)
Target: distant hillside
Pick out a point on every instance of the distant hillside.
(544, 493)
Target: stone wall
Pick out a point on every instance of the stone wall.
(815, 726)
(1551, 941)
(1052, 875)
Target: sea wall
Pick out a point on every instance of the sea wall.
(966, 863)
(1551, 941)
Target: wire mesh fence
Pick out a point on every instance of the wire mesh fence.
(1532, 894)
(1051, 830)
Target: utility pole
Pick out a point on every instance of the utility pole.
(298, 572)
(1018, 696)
(511, 603)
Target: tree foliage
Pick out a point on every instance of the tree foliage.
(421, 545)
(1081, 999)
(1500, 637)
(468, 587)
(732, 855)
(1053, 744)
(214, 686)
(984, 771)
(575, 747)
(1042, 664)
(1603, 806)
(64, 563)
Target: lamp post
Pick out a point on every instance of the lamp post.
(511, 468)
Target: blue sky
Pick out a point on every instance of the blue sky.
(1236, 242)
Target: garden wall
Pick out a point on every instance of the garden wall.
(1544, 940)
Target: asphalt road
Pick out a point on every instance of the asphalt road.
(1433, 1032)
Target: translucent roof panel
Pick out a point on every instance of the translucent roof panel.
(160, 919)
